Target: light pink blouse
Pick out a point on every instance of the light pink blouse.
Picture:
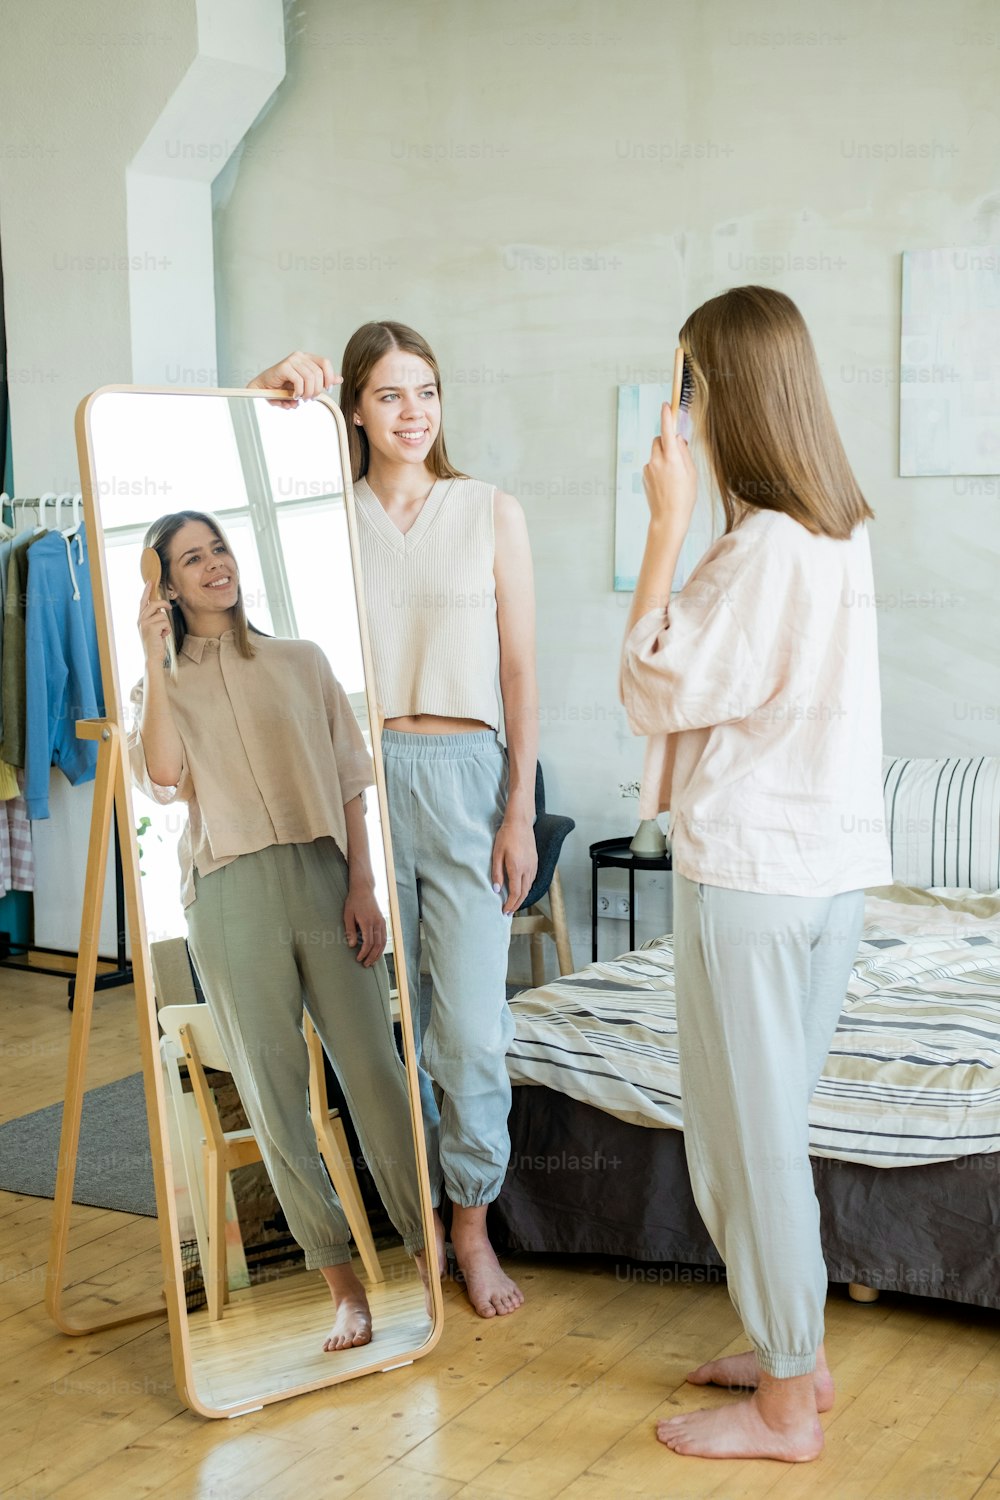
(759, 691)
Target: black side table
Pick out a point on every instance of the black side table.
(616, 853)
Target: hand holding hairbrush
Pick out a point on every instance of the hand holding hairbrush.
(155, 623)
(670, 478)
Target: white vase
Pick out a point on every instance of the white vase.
(649, 841)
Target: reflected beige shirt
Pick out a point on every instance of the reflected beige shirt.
(759, 690)
(271, 750)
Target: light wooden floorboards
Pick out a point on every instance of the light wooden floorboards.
(558, 1400)
(266, 1341)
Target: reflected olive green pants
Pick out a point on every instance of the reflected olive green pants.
(267, 938)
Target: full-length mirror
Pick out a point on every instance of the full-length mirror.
(235, 659)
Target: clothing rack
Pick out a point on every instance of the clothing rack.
(122, 972)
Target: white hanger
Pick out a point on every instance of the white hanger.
(74, 530)
(69, 563)
(42, 502)
(67, 537)
(25, 505)
(77, 531)
(76, 501)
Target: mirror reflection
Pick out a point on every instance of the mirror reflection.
(264, 883)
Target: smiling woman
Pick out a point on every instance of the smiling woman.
(447, 570)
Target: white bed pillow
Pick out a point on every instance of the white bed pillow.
(943, 821)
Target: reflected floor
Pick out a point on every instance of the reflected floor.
(270, 1338)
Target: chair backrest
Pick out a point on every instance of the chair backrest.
(539, 788)
(943, 821)
(198, 1020)
(173, 977)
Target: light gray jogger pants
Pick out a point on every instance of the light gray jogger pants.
(267, 935)
(447, 795)
(760, 981)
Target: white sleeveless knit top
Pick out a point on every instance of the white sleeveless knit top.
(431, 602)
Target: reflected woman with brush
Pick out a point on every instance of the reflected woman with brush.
(258, 738)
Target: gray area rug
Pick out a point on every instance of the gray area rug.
(113, 1168)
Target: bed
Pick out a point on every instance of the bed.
(904, 1124)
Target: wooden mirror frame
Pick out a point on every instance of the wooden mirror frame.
(113, 799)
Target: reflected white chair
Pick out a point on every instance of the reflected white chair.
(192, 1029)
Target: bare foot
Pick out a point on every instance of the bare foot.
(741, 1431)
(742, 1372)
(490, 1290)
(352, 1325)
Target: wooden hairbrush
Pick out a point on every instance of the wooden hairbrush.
(152, 572)
(683, 391)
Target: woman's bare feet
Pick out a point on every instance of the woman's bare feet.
(742, 1372)
(488, 1287)
(746, 1430)
(352, 1325)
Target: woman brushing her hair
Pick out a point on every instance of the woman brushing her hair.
(758, 686)
(448, 588)
(257, 737)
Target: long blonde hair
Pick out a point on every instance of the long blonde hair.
(159, 536)
(365, 348)
(762, 411)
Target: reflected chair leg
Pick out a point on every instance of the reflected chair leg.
(336, 1153)
(557, 905)
(536, 944)
(216, 1278)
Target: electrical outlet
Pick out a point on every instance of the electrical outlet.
(612, 903)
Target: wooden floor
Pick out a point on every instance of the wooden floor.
(266, 1342)
(558, 1400)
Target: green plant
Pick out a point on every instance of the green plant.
(143, 826)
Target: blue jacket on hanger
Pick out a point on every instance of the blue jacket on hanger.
(4, 559)
(62, 667)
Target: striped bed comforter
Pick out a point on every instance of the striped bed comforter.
(913, 1075)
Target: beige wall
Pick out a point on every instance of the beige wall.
(545, 189)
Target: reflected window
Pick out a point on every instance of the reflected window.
(269, 483)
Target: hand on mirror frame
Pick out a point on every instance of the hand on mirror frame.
(154, 625)
(303, 375)
(363, 920)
